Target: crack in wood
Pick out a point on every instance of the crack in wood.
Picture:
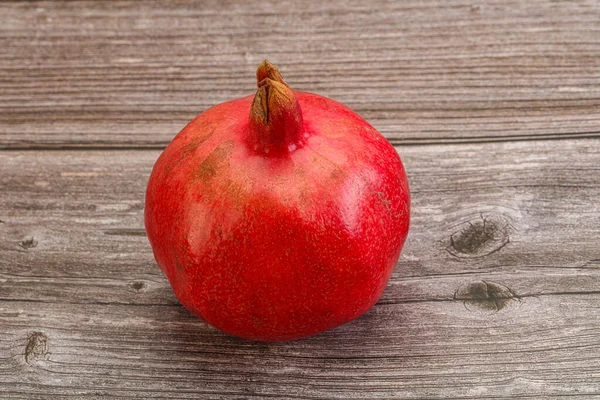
(125, 232)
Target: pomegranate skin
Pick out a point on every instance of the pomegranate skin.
(281, 245)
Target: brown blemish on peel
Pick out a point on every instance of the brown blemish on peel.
(191, 147)
(218, 159)
(179, 267)
(379, 195)
(384, 201)
(201, 137)
(332, 129)
(338, 174)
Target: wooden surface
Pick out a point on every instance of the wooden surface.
(494, 107)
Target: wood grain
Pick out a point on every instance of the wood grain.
(86, 312)
(131, 74)
(497, 292)
(406, 351)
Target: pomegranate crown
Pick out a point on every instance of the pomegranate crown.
(276, 125)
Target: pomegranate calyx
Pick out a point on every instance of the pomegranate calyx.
(268, 70)
(276, 125)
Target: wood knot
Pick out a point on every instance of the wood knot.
(28, 242)
(485, 296)
(479, 236)
(138, 286)
(36, 348)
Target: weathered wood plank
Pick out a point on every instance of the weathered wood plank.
(78, 218)
(405, 351)
(85, 311)
(124, 73)
(497, 294)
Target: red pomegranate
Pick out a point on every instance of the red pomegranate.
(278, 216)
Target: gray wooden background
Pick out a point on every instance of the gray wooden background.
(494, 107)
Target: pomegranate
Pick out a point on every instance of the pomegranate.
(279, 215)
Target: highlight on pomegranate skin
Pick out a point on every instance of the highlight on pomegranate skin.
(279, 215)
